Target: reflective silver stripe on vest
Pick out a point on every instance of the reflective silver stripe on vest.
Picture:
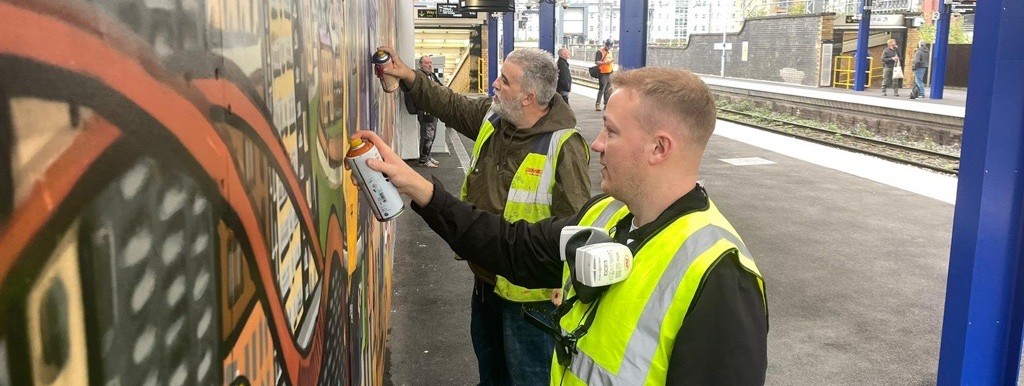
(547, 175)
(529, 197)
(606, 215)
(600, 222)
(643, 343)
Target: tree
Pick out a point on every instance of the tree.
(956, 31)
(798, 8)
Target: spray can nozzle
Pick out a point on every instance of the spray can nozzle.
(380, 59)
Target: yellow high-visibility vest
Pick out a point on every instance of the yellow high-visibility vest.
(639, 318)
(529, 195)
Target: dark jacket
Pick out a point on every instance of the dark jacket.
(421, 115)
(724, 338)
(920, 58)
(564, 77)
(890, 57)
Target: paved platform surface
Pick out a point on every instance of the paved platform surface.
(855, 262)
(952, 102)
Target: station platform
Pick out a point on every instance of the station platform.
(854, 251)
(952, 104)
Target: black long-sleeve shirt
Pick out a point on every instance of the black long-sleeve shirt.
(890, 56)
(564, 77)
(723, 340)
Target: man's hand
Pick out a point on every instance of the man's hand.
(398, 68)
(407, 180)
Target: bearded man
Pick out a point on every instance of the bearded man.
(529, 163)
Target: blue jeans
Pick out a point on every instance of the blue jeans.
(509, 350)
(919, 79)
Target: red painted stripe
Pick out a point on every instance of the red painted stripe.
(224, 94)
(52, 188)
(49, 40)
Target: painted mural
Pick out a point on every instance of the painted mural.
(173, 206)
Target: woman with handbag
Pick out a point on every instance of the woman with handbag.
(892, 71)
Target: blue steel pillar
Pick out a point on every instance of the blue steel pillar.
(862, 65)
(492, 51)
(633, 33)
(939, 54)
(508, 42)
(981, 330)
(547, 27)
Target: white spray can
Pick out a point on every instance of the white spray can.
(385, 202)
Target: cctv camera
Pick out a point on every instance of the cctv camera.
(529, 5)
(565, 5)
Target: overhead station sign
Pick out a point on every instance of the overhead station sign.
(964, 7)
(446, 11)
(878, 20)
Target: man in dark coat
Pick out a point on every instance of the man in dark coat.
(564, 77)
(920, 67)
(428, 122)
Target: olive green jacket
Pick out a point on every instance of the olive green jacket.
(500, 157)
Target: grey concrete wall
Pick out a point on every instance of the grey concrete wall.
(780, 49)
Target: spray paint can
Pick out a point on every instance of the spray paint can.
(381, 59)
(385, 202)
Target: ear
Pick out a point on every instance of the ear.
(530, 98)
(663, 145)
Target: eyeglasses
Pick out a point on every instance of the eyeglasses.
(565, 344)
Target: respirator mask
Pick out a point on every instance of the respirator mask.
(596, 262)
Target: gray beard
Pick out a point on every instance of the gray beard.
(511, 112)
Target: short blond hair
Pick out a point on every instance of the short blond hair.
(674, 97)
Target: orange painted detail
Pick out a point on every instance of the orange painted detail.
(78, 51)
(37, 209)
(224, 94)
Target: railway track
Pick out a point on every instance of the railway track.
(928, 159)
(923, 158)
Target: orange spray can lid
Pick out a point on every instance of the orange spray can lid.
(357, 147)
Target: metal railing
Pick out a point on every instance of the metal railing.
(781, 7)
(758, 8)
(851, 7)
(481, 75)
(844, 71)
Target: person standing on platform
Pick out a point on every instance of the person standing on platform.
(428, 123)
(605, 62)
(920, 67)
(693, 310)
(564, 76)
(890, 58)
(529, 163)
